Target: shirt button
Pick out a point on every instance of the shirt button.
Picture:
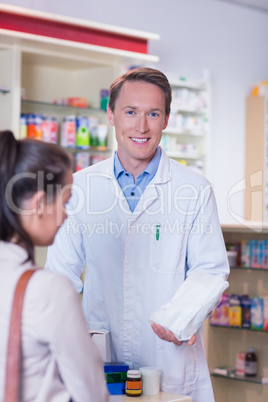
(132, 193)
(127, 174)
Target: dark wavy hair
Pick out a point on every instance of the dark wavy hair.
(142, 74)
(21, 164)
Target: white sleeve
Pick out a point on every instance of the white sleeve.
(67, 255)
(61, 324)
(206, 249)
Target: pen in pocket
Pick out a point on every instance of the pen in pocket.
(157, 231)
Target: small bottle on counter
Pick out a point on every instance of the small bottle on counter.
(133, 383)
(250, 363)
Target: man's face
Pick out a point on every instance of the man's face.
(139, 118)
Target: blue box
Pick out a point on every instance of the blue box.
(116, 388)
(256, 313)
(110, 367)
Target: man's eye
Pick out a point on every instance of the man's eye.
(154, 114)
(130, 112)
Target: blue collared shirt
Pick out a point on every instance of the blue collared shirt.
(133, 191)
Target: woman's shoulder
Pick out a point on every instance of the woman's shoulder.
(47, 286)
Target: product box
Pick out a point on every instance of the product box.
(265, 313)
(50, 129)
(93, 129)
(240, 363)
(115, 367)
(77, 102)
(102, 339)
(34, 126)
(82, 132)
(235, 311)
(245, 253)
(245, 304)
(96, 159)
(220, 315)
(256, 313)
(102, 137)
(264, 254)
(68, 132)
(116, 388)
(82, 160)
(255, 260)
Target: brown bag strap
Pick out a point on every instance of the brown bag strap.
(14, 341)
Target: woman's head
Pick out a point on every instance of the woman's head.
(35, 184)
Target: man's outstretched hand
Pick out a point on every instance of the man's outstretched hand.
(169, 336)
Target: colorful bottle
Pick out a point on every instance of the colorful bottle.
(133, 383)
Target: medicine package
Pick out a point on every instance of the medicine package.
(199, 294)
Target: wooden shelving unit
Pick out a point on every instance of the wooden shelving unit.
(224, 342)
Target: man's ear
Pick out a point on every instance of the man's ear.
(110, 116)
(165, 122)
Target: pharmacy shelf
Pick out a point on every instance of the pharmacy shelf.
(232, 376)
(223, 343)
(250, 269)
(189, 123)
(239, 328)
(179, 109)
(246, 226)
(61, 107)
(197, 86)
(175, 131)
(91, 150)
(182, 155)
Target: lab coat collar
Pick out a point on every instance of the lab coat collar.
(151, 192)
(162, 175)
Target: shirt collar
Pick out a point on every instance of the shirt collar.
(151, 168)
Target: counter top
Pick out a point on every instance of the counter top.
(162, 397)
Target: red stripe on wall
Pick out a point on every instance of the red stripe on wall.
(76, 33)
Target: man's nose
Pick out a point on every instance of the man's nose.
(142, 124)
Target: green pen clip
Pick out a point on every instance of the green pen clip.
(157, 231)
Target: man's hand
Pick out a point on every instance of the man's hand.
(169, 336)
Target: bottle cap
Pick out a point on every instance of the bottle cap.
(133, 373)
(251, 350)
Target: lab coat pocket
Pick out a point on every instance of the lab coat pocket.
(166, 251)
(179, 365)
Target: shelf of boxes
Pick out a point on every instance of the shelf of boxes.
(187, 136)
(225, 341)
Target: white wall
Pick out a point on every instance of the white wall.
(229, 40)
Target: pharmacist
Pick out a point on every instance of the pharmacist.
(141, 223)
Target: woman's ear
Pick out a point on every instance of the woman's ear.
(32, 212)
(39, 204)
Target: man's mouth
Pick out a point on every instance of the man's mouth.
(139, 140)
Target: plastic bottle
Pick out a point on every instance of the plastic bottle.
(104, 98)
(250, 363)
(23, 126)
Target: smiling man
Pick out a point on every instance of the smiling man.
(169, 229)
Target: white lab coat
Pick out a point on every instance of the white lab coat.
(130, 273)
(59, 360)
